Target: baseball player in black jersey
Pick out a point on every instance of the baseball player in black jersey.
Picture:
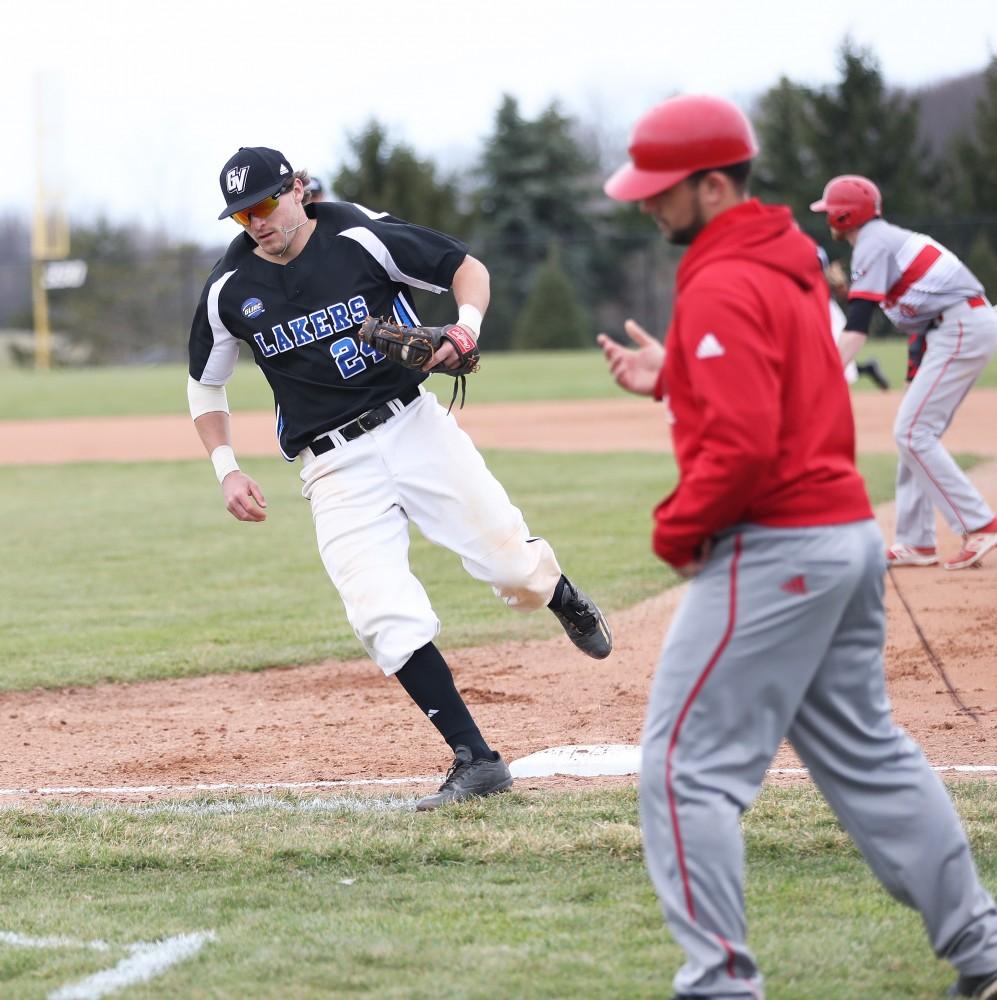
(376, 450)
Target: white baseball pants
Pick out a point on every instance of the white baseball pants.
(927, 476)
(421, 467)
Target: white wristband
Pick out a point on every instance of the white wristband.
(223, 459)
(470, 316)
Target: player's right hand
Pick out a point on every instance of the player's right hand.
(244, 499)
(634, 370)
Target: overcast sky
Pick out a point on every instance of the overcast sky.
(144, 101)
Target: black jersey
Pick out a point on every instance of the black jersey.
(301, 318)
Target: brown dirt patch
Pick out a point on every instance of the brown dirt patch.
(624, 424)
(342, 721)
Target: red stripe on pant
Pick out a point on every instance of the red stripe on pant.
(673, 743)
(913, 424)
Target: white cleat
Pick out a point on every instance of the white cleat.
(974, 547)
(899, 554)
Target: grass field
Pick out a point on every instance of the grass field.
(133, 572)
(504, 377)
(536, 895)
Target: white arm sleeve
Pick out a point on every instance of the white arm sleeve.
(205, 398)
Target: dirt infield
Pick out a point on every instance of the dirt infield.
(623, 424)
(340, 721)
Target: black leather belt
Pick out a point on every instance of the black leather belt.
(367, 421)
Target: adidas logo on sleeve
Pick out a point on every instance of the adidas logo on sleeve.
(709, 347)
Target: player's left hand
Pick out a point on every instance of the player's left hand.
(447, 354)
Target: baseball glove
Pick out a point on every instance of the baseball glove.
(413, 346)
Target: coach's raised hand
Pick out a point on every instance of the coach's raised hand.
(634, 370)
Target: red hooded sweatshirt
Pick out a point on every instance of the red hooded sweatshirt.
(763, 428)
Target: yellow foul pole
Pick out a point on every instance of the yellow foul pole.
(49, 240)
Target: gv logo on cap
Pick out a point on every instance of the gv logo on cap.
(235, 180)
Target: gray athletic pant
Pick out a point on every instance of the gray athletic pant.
(927, 475)
(781, 635)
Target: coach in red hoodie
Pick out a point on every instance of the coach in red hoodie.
(781, 632)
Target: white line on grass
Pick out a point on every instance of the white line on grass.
(252, 803)
(23, 941)
(147, 959)
(259, 786)
(290, 786)
(941, 768)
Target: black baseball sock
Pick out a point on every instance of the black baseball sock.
(555, 601)
(429, 683)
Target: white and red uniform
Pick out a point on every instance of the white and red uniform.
(926, 291)
(912, 277)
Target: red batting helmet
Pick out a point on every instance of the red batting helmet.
(850, 201)
(677, 138)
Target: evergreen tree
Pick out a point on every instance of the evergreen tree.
(976, 156)
(855, 126)
(389, 177)
(139, 295)
(862, 128)
(538, 184)
(788, 169)
(15, 272)
(982, 261)
(551, 318)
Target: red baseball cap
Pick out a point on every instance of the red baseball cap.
(677, 138)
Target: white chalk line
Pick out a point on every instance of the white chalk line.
(317, 804)
(222, 786)
(23, 941)
(145, 960)
(250, 803)
(940, 768)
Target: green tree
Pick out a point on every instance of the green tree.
(538, 184)
(860, 127)
(982, 261)
(139, 295)
(788, 169)
(15, 272)
(551, 317)
(855, 126)
(976, 156)
(389, 177)
(385, 176)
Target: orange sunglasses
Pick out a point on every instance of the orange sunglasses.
(262, 208)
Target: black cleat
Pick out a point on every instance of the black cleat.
(872, 369)
(468, 779)
(585, 624)
(977, 987)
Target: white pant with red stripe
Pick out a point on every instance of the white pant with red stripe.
(781, 636)
(927, 476)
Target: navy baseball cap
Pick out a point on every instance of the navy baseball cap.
(252, 174)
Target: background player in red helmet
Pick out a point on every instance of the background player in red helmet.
(929, 294)
(781, 631)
